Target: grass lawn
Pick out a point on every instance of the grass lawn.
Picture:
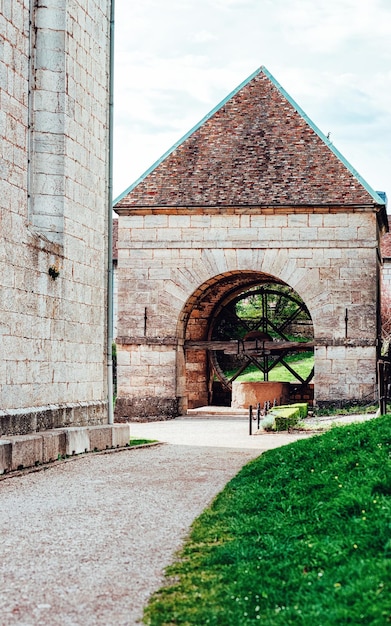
(302, 364)
(302, 535)
(141, 442)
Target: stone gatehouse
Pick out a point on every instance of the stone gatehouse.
(254, 195)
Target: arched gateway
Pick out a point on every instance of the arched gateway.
(253, 208)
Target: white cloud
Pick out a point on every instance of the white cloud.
(203, 36)
(177, 60)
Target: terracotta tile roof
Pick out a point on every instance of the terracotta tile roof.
(256, 148)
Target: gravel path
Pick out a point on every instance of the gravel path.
(85, 542)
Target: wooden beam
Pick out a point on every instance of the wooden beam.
(241, 347)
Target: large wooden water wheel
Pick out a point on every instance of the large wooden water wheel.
(260, 327)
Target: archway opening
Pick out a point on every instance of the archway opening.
(248, 327)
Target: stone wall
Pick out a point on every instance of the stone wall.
(53, 177)
(174, 268)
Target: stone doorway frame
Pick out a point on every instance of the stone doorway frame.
(195, 370)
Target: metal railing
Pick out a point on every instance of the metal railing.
(258, 413)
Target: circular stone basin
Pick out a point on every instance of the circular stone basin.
(246, 394)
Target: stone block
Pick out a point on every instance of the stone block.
(100, 437)
(322, 392)
(200, 221)
(77, 440)
(120, 435)
(5, 456)
(336, 353)
(271, 234)
(53, 445)
(297, 220)
(333, 220)
(26, 451)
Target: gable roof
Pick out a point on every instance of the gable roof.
(256, 148)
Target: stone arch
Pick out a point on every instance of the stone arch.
(193, 366)
(212, 267)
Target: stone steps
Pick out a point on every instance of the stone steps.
(22, 451)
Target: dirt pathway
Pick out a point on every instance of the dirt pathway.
(86, 542)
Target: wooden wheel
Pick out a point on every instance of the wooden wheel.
(275, 318)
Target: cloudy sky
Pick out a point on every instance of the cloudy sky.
(177, 59)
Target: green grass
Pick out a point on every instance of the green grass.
(141, 442)
(302, 535)
(301, 363)
(351, 409)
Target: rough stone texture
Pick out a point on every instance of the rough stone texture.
(77, 441)
(301, 393)
(5, 456)
(386, 246)
(27, 451)
(109, 436)
(24, 421)
(120, 435)
(100, 437)
(24, 451)
(145, 408)
(53, 207)
(53, 445)
(386, 283)
(326, 263)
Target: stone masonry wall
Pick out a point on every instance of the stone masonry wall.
(53, 178)
(328, 256)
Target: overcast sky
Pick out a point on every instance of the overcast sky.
(175, 60)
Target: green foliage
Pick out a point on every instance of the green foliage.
(279, 301)
(302, 535)
(273, 311)
(302, 364)
(141, 442)
(303, 408)
(285, 422)
(286, 411)
(269, 308)
(347, 409)
(285, 417)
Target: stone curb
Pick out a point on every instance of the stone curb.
(46, 466)
(21, 452)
